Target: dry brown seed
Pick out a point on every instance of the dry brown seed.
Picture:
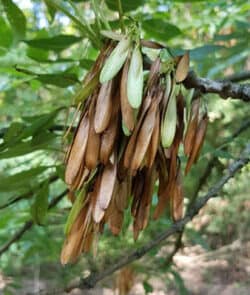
(177, 199)
(182, 68)
(122, 195)
(154, 142)
(103, 107)
(109, 136)
(192, 127)
(93, 146)
(115, 220)
(77, 151)
(151, 44)
(198, 142)
(107, 185)
(144, 136)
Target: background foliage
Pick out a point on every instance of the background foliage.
(46, 47)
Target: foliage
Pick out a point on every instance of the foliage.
(46, 47)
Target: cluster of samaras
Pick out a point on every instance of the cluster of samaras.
(127, 138)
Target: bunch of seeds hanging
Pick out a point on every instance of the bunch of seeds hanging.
(131, 125)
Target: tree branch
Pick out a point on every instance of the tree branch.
(177, 227)
(238, 77)
(28, 225)
(224, 89)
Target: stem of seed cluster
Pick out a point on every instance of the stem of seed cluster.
(121, 15)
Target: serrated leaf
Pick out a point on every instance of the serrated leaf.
(16, 18)
(40, 206)
(56, 43)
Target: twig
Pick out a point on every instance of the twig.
(224, 89)
(92, 279)
(119, 3)
(28, 225)
(238, 77)
(177, 246)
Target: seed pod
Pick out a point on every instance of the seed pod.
(182, 68)
(135, 79)
(93, 144)
(192, 127)
(103, 107)
(122, 195)
(129, 151)
(107, 186)
(115, 61)
(105, 191)
(154, 142)
(77, 151)
(108, 140)
(109, 136)
(198, 142)
(177, 199)
(168, 126)
(144, 136)
(127, 111)
(73, 245)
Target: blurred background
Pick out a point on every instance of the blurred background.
(44, 54)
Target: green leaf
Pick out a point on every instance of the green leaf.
(56, 43)
(60, 170)
(13, 131)
(128, 5)
(40, 206)
(18, 131)
(147, 287)
(179, 283)
(86, 63)
(61, 80)
(196, 238)
(51, 10)
(37, 54)
(16, 18)
(20, 180)
(223, 154)
(6, 34)
(160, 29)
(203, 51)
(27, 147)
